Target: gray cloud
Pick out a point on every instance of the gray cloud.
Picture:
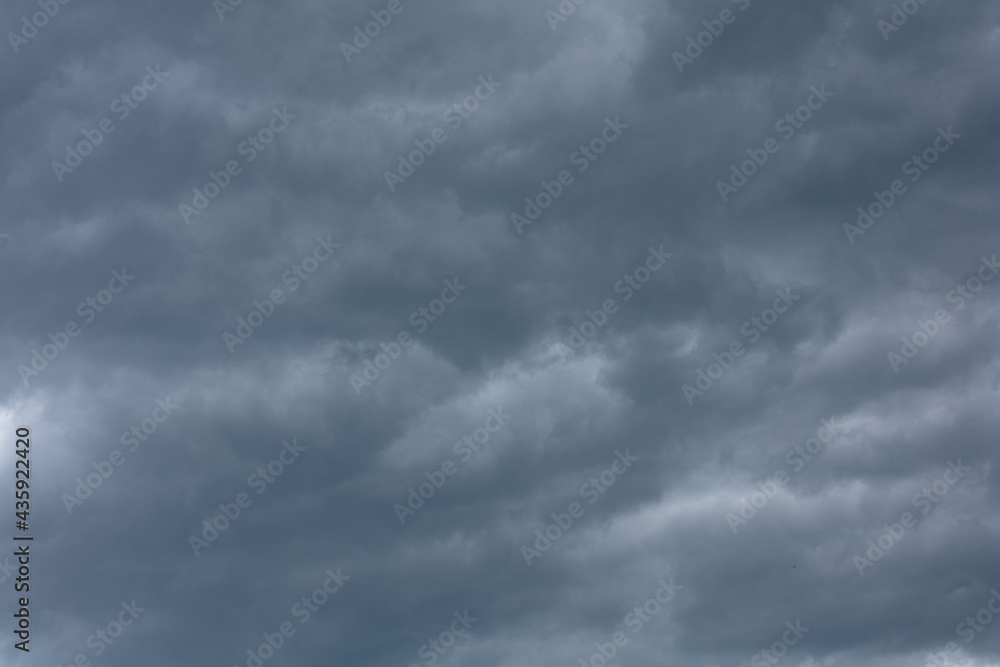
(507, 341)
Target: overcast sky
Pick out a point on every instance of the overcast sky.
(702, 292)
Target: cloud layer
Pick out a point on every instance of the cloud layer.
(504, 333)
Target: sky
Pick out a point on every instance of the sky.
(413, 332)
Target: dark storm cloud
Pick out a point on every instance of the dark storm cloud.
(387, 381)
